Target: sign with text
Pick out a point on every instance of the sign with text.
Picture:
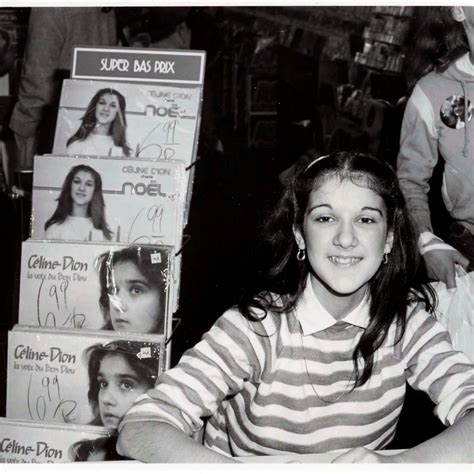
(143, 65)
(50, 372)
(108, 200)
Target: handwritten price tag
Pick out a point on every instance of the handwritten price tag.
(54, 297)
(45, 402)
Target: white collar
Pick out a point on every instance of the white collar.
(464, 64)
(314, 317)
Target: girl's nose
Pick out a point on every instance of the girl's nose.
(108, 396)
(345, 236)
(117, 302)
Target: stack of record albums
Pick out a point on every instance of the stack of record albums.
(100, 272)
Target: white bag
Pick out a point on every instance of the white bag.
(455, 311)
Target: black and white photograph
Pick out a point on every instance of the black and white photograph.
(238, 232)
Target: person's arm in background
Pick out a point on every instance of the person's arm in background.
(45, 38)
(417, 158)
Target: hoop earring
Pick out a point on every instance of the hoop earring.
(301, 255)
(385, 258)
(458, 14)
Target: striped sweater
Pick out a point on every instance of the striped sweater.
(282, 385)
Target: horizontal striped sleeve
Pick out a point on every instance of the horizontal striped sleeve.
(433, 366)
(211, 371)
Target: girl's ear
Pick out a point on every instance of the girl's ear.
(388, 242)
(458, 13)
(299, 238)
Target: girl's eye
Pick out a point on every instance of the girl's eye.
(366, 220)
(90, 184)
(137, 290)
(127, 385)
(102, 384)
(324, 219)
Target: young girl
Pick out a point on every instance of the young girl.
(438, 124)
(80, 214)
(119, 372)
(103, 127)
(317, 359)
(132, 290)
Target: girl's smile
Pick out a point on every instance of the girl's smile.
(82, 188)
(342, 261)
(106, 109)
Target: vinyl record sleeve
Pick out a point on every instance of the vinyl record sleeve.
(47, 375)
(60, 282)
(144, 200)
(35, 442)
(161, 122)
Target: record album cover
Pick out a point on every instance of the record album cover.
(37, 442)
(108, 200)
(151, 121)
(77, 376)
(96, 286)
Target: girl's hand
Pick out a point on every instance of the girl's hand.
(364, 455)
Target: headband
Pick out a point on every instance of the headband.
(138, 349)
(315, 161)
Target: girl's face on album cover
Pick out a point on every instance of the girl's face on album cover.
(106, 109)
(82, 188)
(119, 386)
(134, 302)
